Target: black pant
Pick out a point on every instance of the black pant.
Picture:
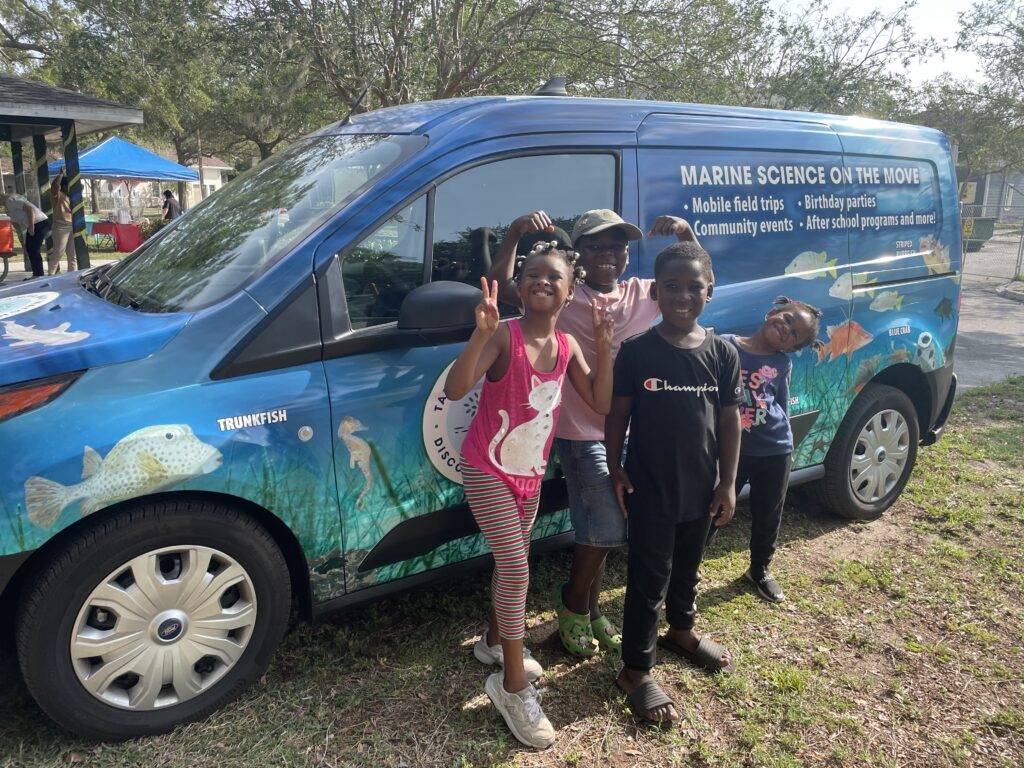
(34, 247)
(663, 565)
(768, 477)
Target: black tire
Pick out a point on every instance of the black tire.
(835, 491)
(59, 588)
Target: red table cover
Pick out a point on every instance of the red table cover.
(127, 237)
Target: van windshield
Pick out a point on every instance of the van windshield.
(216, 248)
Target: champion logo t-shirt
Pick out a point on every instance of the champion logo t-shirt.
(672, 457)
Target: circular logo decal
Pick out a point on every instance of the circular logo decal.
(170, 629)
(15, 305)
(445, 424)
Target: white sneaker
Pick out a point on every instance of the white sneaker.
(493, 655)
(522, 712)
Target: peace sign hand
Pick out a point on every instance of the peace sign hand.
(604, 324)
(487, 315)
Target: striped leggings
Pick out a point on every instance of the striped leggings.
(508, 535)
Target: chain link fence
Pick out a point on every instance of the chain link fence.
(996, 234)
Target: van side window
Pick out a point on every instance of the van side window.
(384, 267)
(472, 211)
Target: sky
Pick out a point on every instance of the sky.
(934, 18)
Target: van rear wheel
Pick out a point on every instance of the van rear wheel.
(151, 618)
(872, 455)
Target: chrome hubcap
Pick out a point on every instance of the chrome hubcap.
(163, 627)
(879, 456)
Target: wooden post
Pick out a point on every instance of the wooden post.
(19, 187)
(43, 181)
(19, 167)
(69, 141)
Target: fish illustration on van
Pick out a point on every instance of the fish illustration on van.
(844, 339)
(147, 460)
(810, 265)
(944, 308)
(866, 370)
(23, 335)
(522, 452)
(887, 301)
(842, 288)
(935, 255)
(359, 453)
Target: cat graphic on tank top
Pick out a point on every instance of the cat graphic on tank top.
(522, 452)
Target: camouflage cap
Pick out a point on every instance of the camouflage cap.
(600, 219)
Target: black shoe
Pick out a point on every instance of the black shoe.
(767, 587)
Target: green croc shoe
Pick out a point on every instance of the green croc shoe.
(607, 636)
(574, 629)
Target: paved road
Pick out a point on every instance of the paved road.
(990, 338)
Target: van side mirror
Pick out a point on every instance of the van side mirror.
(442, 304)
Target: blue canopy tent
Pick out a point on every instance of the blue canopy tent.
(115, 158)
(119, 160)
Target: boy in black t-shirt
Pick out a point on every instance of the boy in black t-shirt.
(677, 390)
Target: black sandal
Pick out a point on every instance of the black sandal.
(644, 699)
(708, 655)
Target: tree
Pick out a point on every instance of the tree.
(264, 98)
(977, 125)
(252, 75)
(820, 61)
(994, 30)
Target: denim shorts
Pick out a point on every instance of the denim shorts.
(594, 510)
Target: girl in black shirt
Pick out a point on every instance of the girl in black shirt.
(677, 389)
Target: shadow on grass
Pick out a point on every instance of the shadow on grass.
(356, 665)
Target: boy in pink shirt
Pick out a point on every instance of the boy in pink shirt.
(602, 239)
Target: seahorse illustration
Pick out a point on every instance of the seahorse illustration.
(358, 452)
(522, 453)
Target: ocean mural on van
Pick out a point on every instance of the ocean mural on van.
(863, 239)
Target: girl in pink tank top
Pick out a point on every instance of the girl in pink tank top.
(505, 453)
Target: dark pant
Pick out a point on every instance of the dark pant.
(34, 247)
(663, 565)
(768, 477)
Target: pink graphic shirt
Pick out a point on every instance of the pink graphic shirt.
(634, 312)
(511, 435)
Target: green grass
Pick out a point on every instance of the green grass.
(901, 646)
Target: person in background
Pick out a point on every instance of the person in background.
(171, 207)
(33, 226)
(62, 230)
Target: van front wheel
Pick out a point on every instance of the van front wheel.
(152, 617)
(872, 455)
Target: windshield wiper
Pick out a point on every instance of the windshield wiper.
(104, 287)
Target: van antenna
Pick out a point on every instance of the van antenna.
(356, 104)
(553, 87)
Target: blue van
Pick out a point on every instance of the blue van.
(245, 417)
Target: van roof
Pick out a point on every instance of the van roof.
(534, 114)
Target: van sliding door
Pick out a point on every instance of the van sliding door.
(768, 200)
(905, 253)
